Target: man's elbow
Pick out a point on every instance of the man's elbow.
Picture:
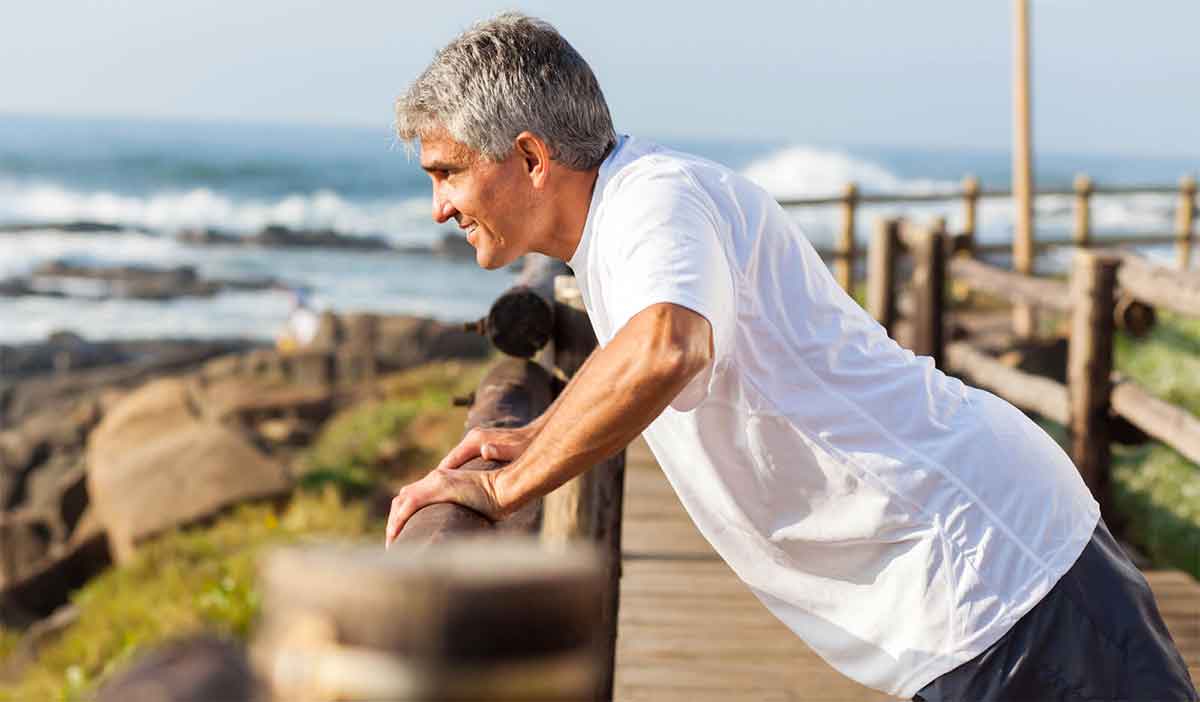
(683, 348)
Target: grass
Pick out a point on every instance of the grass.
(1155, 489)
(204, 577)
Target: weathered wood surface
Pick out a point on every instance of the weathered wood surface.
(690, 631)
(984, 277)
(521, 321)
(1025, 390)
(512, 394)
(1178, 291)
(1172, 425)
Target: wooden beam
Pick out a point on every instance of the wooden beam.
(1185, 214)
(1026, 289)
(928, 247)
(1033, 393)
(1083, 210)
(1174, 426)
(1089, 367)
(512, 394)
(843, 265)
(1024, 318)
(521, 320)
(1178, 291)
(881, 272)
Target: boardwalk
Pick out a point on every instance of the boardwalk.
(691, 632)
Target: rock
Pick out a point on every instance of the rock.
(277, 235)
(454, 246)
(78, 227)
(154, 464)
(405, 341)
(208, 237)
(202, 668)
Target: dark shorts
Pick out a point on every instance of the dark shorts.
(1097, 635)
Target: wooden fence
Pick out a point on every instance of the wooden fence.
(446, 618)
(1107, 289)
(845, 252)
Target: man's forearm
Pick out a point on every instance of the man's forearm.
(618, 392)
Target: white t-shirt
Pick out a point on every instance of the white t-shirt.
(896, 519)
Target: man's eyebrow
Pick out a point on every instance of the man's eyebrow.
(440, 166)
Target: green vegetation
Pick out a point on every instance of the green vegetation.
(204, 577)
(1154, 488)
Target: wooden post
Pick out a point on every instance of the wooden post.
(1024, 318)
(843, 265)
(929, 288)
(1184, 216)
(1083, 211)
(589, 507)
(1089, 367)
(970, 186)
(881, 272)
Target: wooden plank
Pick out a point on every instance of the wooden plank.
(985, 277)
(1030, 392)
(1178, 291)
(1174, 426)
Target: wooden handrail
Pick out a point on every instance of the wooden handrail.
(1172, 425)
(1178, 291)
(981, 276)
(1030, 392)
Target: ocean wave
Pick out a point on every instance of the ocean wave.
(402, 220)
(805, 171)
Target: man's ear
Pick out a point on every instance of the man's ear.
(535, 156)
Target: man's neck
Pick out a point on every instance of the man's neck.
(572, 203)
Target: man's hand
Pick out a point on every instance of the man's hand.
(490, 444)
(475, 489)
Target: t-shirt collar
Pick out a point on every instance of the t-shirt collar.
(579, 258)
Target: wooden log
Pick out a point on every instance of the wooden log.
(589, 507)
(843, 265)
(1033, 393)
(1185, 214)
(1089, 367)
(1174, 426)
(521, 320)
(1134, 316)
(1083, 210)
(1159, 286)
(994, 280)
(881, 272)
(970, 186)
(494, 619)
(928, 246)
(512, 394)
(1024, 191)
(574, 338)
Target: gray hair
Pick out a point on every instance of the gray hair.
(507, 75)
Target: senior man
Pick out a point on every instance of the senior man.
(922, 536)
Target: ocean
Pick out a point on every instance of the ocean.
(154, 179)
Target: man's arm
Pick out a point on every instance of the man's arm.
(615, 395)
(623, 388)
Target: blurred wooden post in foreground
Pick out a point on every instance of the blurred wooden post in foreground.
(482, 619)
(1089, 367)
(588, 508)
(881, 272)
(1024, 316)
(928, 246)
(1184, 216)
(1082, 233)
(843, 263)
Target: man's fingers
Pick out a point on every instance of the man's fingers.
(402, 509)
(497, 451)
(467, 449)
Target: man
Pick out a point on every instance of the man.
(924, 537)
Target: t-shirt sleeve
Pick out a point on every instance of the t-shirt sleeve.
(660, 243)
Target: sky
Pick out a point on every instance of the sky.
(1109, 77)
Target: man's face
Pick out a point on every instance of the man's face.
(488, 200)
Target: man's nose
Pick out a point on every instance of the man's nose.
(442, 209)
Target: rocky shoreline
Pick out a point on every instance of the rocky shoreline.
(106, 443)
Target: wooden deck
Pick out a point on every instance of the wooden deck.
(690, 631)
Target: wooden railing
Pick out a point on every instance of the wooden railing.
(1107, 289)
(845, 251)
(451, 618)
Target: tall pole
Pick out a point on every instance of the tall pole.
(1024, 321)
